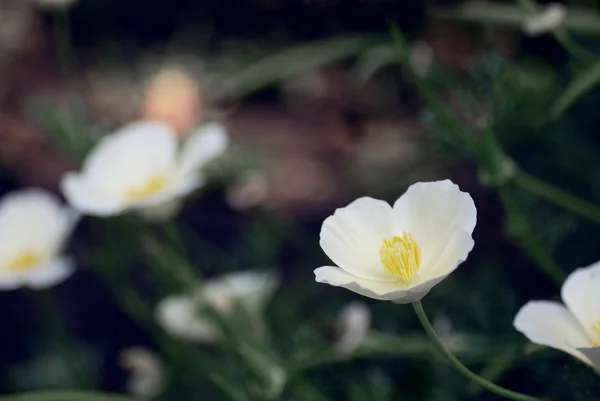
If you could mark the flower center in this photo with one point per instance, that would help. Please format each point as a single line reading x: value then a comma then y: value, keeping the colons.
x: 24, y: 261
x: 151, y: 187
x: 596, y: 331
x: 401, y: 256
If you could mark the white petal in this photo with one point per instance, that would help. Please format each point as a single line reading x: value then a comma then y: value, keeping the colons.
x: 51, y: 273
x: 253, y: 289
x: 87, y: 198
x: 178, y: 316
x: 449, y: 259
x: 551, y: 324
x: 581, y: 294
x: 33, y: 220
x: 593, y: 354
x: 43, y: 276
x: 130, y: 156
x: 204, y: 145
x: 354, y: 234
x: 381, y: 290
x: 434, y: 212
x: 546, y: 20
x: 353, y: 325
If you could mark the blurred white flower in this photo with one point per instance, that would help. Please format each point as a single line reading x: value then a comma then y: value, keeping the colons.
x: 182, y: 315
x: 573, y: 327
x: 141, y: 166
x: 147, y: 374
x: 354, y: 323
x: 547, y: 20
x: 34, y: 227
x: 398, y: 254
x: 53, y: 4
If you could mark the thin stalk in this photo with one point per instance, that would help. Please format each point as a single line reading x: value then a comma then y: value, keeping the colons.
x: 519, y: 230
x: 439, y: 108
x: 459, y: 367
x: 60, y: 334
x: 67, y: 395
x: 557, y: 196
x: 67, y: 60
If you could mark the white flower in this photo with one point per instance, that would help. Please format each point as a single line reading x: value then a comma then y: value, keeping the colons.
x: 573, y: 327
x: 140, y: 166
x: 354, y: 323
x: 34, y: 227
x: 547, y: 20
x: 147, y: 377
x: 182, y: 316
x: 398, y: 254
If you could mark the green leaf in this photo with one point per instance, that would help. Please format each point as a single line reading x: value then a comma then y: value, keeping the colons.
x: 374, y: 59
x: 292, y: 61
x: 581, y: 85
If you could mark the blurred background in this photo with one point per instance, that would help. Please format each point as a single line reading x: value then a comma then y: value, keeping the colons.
x: 320, y: 111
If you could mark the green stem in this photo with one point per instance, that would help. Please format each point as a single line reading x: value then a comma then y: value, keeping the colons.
x: 439, y: 108
x: 557, y: 196
x: 67, y: 395
x: 459, y: 367
x: 77, y: 143
x: 61, y: 335
x: 518, y: 228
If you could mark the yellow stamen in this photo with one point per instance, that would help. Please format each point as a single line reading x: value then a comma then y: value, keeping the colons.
x: 401, y: 256
x: 152, y: 186
x: 24, y: 261
x: 596, y: 331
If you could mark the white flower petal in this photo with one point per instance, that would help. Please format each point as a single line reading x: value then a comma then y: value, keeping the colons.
x: 434, y: 212
x: 593, y: 354
x: 353, y: 236
x: 546, y: 20
x: 381, y: 290
x: 456, y: 252
x: 39, y: 277
x: 51, y: 273
x: 130, y: 156
x: 581, y: 294
x: 551, y: 324
x: 353, y: 325
x: 253, y: 289
x: 209, y: 142
x: 34, y: 220
x: 86, y: 198
x: 178, y: 316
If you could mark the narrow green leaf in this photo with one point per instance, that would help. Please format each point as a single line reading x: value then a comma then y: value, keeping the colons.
x: 578, y: 87
x: 295, y: 60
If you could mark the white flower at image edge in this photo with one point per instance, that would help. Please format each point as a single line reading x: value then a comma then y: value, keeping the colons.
x: 573, y: 327
x: 182, y: 315
x: 34, y: 227
x: 399, y: 253
x: 142, y: 166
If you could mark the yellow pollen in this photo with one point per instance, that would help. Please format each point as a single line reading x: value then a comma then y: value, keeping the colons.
x: 596, y: 331
x: 24, y: 261
x: 154, y: 185
x: 401, y: 256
